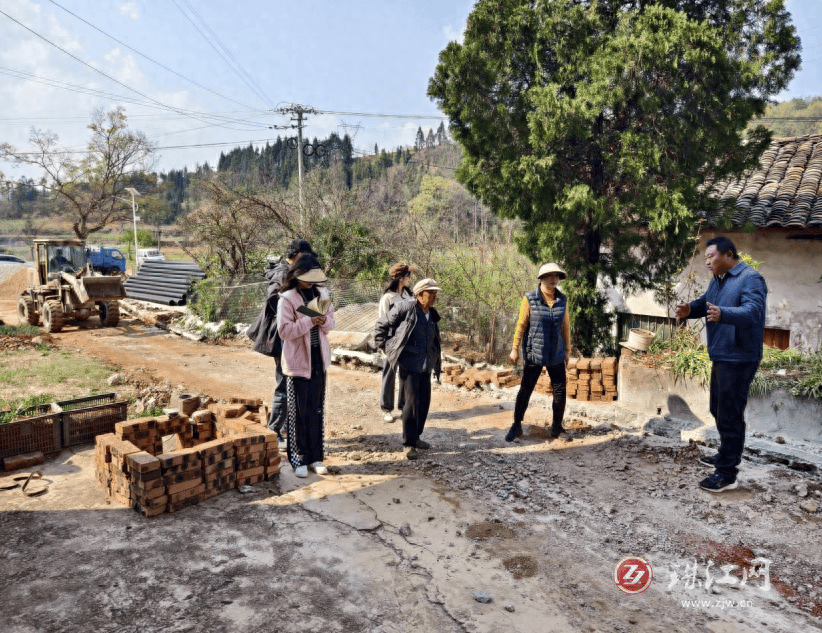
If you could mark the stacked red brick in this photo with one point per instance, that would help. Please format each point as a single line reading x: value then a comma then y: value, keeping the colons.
x: 198, y: 468
x: 148, y: 487
x: 471, y: 377
x: 245, y: 420
x: 110, y: 454
x: 592, y: 379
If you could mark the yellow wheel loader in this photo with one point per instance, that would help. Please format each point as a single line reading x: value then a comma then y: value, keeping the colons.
x: 63, y: 288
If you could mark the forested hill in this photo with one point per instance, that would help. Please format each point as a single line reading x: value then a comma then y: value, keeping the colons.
x: 796, y: 117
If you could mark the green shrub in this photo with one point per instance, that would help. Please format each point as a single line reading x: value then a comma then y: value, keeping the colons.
x: 11, y: 409
x: 144, y: 238
x: 206, y: 298
x: 684, y: 354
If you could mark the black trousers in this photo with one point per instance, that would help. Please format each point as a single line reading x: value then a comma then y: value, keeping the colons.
x: 387, y: 389
x: 306, y: 414
x: 530, y: 375
x: 415, y: 387
x: 729, y: 397
x: 279, y: 407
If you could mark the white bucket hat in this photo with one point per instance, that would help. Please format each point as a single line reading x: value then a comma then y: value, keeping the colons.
x: 314, y: 275
x: 425, y: 284
x: 551, y: 267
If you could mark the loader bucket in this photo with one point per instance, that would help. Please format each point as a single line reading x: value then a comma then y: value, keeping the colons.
x: 104, y: 288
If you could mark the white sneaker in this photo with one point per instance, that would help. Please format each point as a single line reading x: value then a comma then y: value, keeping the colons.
x: 388, y: 417
x: 301, y: 471
x: 319, y: 468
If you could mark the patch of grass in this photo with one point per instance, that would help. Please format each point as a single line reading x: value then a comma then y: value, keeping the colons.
x: 11, y: 409
x: 18, y: 330
x: 56, y: 368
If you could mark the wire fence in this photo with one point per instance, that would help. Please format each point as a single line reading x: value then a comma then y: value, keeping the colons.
x: 242, y: 302
x: 466, y: 325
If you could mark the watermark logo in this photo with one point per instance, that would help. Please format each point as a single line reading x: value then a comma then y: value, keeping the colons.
x: 633, y: 575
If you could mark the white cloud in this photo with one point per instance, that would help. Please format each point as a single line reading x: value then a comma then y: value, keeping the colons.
x: 130, y: 10
x: 452, y: 35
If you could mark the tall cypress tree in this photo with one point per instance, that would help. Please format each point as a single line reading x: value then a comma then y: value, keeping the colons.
x: 604, y: 125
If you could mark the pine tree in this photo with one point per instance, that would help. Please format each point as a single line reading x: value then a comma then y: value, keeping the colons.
x: 419, y: 142
x: 442, y: 136
x: 429, y: 140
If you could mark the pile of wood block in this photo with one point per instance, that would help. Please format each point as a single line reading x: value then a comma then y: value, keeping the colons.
x: 471, y: 377
x: 592, y: 379
x: 213, y: 451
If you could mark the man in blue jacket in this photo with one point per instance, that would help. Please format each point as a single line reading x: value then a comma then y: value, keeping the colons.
x: 734, y: 307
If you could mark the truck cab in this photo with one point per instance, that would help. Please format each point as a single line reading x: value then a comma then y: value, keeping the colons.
x: 149, y: 255
x: 106, y: 259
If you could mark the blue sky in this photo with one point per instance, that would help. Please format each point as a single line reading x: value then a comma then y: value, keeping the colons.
x: 347, y: 58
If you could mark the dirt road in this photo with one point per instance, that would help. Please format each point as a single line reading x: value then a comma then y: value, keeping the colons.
x: 383, y: 544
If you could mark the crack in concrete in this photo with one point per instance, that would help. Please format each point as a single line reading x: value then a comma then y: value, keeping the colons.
x: 374, y: 533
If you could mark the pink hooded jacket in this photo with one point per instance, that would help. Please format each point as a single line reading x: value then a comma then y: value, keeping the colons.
x: 295, y: 331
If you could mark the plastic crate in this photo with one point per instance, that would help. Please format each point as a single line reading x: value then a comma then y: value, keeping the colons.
x: 87, y: 401
x: 38, y: 431
x: 83, y: 419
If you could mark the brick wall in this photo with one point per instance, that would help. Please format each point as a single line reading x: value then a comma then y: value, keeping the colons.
x: 167, y: 463
x: 588, y: 379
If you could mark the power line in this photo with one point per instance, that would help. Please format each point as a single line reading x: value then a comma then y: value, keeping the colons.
x: 182, y: 112
x: 149, y: 58
x: 109, y: 77
x: 384, y: 115
x: 256, y: 91
x: 226, y: 49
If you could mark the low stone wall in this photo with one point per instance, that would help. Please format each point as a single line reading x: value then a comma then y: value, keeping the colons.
x: 656, y: 391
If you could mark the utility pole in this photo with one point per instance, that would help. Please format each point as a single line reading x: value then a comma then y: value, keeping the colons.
x: 298, y: 113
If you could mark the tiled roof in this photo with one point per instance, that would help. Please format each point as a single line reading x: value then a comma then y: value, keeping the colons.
x: 785, y: 191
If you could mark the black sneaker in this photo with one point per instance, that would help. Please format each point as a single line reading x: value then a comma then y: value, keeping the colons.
x: 412, y: 453
x: 708, y: 461
x: 718, y: 483
x: 422, y: 444
x: 559, y: 433
x: 514, y: 432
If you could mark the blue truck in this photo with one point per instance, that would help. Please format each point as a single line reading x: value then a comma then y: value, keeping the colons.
x: 105, y: 259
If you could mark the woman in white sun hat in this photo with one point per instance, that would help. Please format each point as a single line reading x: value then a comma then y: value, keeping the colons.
x: 543, y: 332
x: 305, y: 359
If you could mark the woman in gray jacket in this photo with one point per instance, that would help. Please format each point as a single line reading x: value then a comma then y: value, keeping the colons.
x: 396, y: 290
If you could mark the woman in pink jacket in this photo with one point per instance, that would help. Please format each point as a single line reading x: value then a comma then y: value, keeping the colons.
x: 305, y: 358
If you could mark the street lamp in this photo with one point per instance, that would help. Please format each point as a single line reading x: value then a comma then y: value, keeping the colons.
x: 133, y: 193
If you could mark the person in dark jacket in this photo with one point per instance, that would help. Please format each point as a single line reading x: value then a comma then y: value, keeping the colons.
x: 544, y: 332
x: 734, y: 308
x: 264, y: 330
x: 397, y: 290
x: 415, y: 349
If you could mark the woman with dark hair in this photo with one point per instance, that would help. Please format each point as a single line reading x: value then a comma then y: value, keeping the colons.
x: 397, y: 290
x: 305, y: 359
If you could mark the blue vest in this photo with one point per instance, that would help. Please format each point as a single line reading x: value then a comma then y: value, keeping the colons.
x: 544, y: 344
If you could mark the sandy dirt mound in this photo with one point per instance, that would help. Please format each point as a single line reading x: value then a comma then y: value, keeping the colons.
x: 13, y: 284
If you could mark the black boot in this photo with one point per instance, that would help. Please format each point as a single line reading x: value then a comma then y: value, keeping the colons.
x: 514, y: 432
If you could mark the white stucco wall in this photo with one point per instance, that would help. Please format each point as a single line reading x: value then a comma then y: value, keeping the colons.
x: 791, y: 268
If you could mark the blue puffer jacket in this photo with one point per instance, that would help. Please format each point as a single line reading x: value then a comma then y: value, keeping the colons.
x: 738, y: 336
x: 543, y: 344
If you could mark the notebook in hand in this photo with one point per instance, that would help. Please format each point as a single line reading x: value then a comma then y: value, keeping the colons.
x: 316, y: 307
